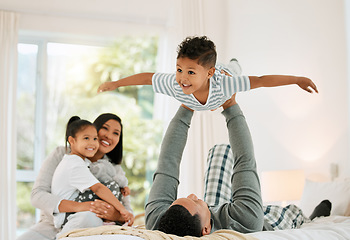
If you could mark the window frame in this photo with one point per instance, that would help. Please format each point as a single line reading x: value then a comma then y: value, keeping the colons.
x: 42, y: 40
x: 39, y: 113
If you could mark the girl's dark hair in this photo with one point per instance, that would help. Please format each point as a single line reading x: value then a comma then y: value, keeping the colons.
x: 200, y: 48
x: 75, y: 125
x: 116, y: 155
x: 178, y: 220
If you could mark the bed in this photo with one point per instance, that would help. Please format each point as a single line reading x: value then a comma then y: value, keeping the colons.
x: 333, y: 227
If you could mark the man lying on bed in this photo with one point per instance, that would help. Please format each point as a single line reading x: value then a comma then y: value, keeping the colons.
x: 192, y: 216
x: 236, y: 206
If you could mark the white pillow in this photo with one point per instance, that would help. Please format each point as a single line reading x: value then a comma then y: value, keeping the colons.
x: 337, y: 192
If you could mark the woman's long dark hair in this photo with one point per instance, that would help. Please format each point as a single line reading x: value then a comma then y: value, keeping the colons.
x: 116, y: 155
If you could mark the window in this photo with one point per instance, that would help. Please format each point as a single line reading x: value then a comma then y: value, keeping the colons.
x: 58, y: 80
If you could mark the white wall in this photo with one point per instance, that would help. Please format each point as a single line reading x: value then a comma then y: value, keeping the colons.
x: 291, y: 129
x: 97, y: 20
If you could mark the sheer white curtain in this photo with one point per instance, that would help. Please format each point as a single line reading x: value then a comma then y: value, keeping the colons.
x: 8, y: 73
x: 194, y: 162
x: 188, y: 21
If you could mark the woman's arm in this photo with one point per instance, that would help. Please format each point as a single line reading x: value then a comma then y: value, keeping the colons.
x: 41, y: 196
x: 102, y: 209
x: 106, y: 211
x: 281, y: 80
x: 104, y: 193
x: 120, y: 176
x: 137, y: 79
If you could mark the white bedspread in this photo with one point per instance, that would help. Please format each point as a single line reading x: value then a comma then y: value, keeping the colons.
x: 326, y: 228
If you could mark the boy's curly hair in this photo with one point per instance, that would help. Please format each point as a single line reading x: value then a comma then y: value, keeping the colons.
x: 178, y: 220
x: 200, y: 48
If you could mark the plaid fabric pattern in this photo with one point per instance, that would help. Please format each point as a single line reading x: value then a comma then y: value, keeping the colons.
x: 218, y: 175
x: 218, y: 190
x: 288, y: 217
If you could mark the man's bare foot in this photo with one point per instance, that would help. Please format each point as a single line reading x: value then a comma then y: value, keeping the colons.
x: 230, y: 102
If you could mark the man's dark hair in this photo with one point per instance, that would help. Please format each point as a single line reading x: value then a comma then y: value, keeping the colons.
x: 178, y: 220
x: 200, y: 48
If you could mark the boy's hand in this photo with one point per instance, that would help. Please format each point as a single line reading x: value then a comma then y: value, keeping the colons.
x: 125, y: 191
x: 306, y: 84
x: 107, y: 86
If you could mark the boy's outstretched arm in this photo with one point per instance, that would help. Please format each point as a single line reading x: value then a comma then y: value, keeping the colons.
x: 137, y: 79
x: 281, y: 80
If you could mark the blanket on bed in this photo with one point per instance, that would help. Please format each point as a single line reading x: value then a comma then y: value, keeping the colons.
x: 155, y: 235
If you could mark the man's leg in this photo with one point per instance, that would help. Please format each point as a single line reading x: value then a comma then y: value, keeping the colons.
x: 280, y: 218
x: 246, y: 203
x: 322, y: 210
x: 217, y: 189
x: 291, y: 216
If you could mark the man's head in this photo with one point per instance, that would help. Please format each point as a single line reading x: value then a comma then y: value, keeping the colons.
x: 195, y: 64
x: 186, y: 216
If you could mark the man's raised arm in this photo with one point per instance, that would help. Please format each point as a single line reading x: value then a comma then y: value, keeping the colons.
x: 166, y: 178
